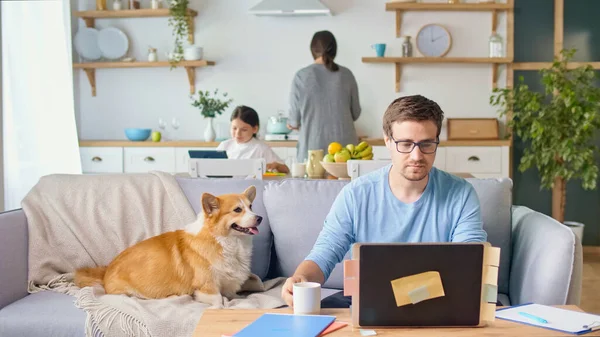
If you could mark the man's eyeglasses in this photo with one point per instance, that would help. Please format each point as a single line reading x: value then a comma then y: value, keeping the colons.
x: 426, y: 147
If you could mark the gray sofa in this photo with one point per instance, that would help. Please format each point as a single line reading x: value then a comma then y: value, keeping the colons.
x: 541, y: 259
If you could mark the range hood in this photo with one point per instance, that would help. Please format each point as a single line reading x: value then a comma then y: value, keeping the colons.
x: 290, y: 8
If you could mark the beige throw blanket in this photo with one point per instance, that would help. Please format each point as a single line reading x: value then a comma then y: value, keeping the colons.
x: 83, y: 220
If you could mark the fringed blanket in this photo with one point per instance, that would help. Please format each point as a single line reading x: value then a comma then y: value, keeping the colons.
x: 86, y: 220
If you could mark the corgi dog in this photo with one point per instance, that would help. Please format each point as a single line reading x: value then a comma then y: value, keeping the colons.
x: 208, y: 259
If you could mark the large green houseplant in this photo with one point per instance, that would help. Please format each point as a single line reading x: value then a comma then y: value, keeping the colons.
x: 557, y: 126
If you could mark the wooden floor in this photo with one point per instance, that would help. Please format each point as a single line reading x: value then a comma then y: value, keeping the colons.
x: 590, y: 293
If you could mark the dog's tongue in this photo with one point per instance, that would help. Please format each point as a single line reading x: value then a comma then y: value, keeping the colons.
x: 253, y: 230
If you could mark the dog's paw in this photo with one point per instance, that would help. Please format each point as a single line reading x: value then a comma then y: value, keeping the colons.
x: 214, y: 300
x: 252, y: 284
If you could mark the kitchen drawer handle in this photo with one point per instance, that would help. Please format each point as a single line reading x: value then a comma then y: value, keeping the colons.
x: 473, y: 158
x: 97, y: 159
x: 149, y: 159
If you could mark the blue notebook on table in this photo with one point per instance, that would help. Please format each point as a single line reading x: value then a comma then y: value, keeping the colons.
x: 280, y: 325
x: 553, y: 318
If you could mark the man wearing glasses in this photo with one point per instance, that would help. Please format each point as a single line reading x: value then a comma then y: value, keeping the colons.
x: 406, y: 201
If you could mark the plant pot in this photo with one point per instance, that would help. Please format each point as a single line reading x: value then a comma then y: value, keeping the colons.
x: 576, y: 227
x: 209, y: 131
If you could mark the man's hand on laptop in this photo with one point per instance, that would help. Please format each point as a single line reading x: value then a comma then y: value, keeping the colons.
x: 288, y: 288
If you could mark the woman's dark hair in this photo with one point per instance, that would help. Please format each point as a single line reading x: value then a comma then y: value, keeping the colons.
x: 323, y: 44
x: 247, y: 115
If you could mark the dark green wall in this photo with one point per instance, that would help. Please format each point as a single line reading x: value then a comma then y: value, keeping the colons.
x: 534, y: 42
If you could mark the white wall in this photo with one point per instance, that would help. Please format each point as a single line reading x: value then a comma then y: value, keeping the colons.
x: 256, y: 58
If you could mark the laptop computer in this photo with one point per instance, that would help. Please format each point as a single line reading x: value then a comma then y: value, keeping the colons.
x: 422, y: 284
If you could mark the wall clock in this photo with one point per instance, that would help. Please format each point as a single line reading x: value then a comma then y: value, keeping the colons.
x: 434, y: 40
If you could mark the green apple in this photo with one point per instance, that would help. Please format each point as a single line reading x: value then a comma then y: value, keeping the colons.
x: 155, y: 136
x: 342, y: 156
x: 329, y: 158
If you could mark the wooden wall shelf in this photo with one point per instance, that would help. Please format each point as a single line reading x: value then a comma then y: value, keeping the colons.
x: 190, y: 67
x: 129, y: 13
x: 398, y: 61
x: 474, y: 7
x: 90, y: 16
x: 494, y: 8
x: 485, y: 60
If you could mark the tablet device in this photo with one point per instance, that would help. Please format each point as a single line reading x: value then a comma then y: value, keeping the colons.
x: 422, y: 284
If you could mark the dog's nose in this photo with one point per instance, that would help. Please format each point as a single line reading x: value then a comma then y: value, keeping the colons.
x: 258, y: 219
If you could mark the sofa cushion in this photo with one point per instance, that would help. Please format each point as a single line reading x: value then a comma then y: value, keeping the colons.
x: 44, y: 313
x: 495, y: 197
x: 297, y: 209
x: 261, y: 250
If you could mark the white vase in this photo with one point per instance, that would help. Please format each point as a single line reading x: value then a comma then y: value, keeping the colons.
x: 576, y: 227
x: 209, y: 131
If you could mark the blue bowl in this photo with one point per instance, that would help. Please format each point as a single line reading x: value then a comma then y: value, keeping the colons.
x: 137, y: 135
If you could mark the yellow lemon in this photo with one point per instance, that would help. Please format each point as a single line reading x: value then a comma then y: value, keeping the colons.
x: 334, y: 148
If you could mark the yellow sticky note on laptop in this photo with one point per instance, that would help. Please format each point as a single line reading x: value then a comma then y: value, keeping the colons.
x: 417, y: 288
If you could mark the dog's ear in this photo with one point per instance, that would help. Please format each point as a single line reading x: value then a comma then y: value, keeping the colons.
x: 250, y: 192
x: 210, y: 203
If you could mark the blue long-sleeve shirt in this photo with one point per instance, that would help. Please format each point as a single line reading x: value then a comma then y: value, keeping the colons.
x: 367, y: 211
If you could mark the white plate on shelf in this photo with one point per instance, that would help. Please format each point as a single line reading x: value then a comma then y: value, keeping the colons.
x: 86, y: 44
x: 113, y: 43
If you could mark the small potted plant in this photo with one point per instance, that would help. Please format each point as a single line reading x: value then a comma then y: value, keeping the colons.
x: 558, y: 127
x: 209, y: 108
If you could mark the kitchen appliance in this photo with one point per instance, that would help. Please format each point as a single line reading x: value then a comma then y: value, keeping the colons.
x: 277, y: 128
x: 290, y: 8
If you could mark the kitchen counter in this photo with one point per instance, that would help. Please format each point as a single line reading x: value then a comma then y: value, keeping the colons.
x: 169, y: 143
x: 199, y: 143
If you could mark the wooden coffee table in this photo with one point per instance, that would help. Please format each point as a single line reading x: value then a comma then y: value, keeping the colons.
x: 214, y: 323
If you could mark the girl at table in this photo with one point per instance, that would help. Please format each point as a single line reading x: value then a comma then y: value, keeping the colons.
x: 245, y: 145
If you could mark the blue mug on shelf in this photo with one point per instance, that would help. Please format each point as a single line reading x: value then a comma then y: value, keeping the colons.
x: 379, y: 49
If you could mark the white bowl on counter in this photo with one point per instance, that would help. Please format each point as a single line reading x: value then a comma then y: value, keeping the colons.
x: 193, y: 53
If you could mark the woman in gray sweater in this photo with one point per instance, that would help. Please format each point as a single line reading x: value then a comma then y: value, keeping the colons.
x: 323, y: 100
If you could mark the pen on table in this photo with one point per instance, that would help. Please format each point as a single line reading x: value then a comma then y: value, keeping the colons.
x: 535, y: 318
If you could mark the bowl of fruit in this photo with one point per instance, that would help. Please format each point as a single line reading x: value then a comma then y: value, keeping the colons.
x: 335, y: 162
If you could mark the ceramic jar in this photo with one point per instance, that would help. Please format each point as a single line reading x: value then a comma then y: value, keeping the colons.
x: 314, y: 169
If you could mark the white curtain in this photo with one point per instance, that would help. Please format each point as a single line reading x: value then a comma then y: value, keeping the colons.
x: 38, y: 119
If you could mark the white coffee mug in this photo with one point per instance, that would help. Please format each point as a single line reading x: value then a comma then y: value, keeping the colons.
x: 307, y: 298
x: 298, y: 170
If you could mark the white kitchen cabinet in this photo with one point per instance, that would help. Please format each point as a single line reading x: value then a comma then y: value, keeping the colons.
x: 145, y: 159
x: 285, y: 153
x: 282, y: 152
x: 440, y: 158
x: 480, y: 161
x: 182, y: 157
x: 101, y: 159
x: 381, y: 152
x: 474, y: 159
